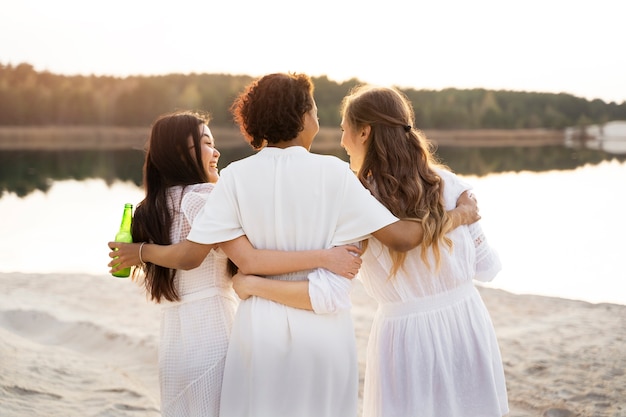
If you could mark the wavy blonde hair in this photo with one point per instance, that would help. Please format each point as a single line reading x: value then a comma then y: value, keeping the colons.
x: 399, y: 164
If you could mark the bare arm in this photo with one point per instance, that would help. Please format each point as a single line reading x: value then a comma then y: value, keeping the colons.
x: 401, y: 236
x: 183, y: 255
x: 290, y: 293
x: 343, y: 260
x: 404, y: 235
x: 340, y: 260
x: 187, y: 255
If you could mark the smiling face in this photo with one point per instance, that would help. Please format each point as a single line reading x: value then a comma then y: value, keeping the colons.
x: 354, y: 141
x: 210, y: 154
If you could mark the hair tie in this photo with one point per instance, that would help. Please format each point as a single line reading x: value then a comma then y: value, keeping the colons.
x: 407, y: 128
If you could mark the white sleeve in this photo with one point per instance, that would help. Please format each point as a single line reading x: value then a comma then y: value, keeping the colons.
x: 329, y: 293
x: 194, y: 201
x: 360, y: 213
x: 487, y: 259
x: 218, y: 220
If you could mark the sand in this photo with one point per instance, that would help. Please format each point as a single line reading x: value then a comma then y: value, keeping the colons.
x: 84, y: 345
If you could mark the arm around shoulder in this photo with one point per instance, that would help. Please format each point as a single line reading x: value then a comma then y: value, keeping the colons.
x: 406, y: 234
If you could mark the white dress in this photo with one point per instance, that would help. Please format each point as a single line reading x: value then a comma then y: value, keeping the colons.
x: 432, y: 349
x: 284, y: 361
x: 195, y: 330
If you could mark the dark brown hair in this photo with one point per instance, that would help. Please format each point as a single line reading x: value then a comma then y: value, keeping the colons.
x: 272, y: 108
x: 398, y: 167
x: 168, y: 162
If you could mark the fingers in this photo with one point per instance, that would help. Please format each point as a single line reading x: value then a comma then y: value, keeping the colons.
x: 469, y: 199
x: 116, y: 263
x: 114, y: 246
x: 113, y: 267
x: 351, y: 275
x: 354, y: 269
x: 467, y: 195
x: 353, y: 249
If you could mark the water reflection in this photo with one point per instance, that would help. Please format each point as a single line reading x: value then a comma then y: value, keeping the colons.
x: 559, y: 233
x: 22, y: 172
x: 484, y: 161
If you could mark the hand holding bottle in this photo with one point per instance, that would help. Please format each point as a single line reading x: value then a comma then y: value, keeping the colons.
x: 123, y: 235
x: 124, y: 255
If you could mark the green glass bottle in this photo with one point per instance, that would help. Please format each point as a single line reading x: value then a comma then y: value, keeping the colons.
x: 124, y: 235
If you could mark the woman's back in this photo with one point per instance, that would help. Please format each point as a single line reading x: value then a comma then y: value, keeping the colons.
x: 416, y: 279
x: 184, y: 204
x: 453, y: 367
x: 290, y: 199
x: 194, y: 330
x: 284, y: 360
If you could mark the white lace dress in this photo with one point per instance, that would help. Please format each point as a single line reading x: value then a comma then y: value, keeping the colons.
x: 432, y: 349
x: 195, y: 331
x: 282, y: 361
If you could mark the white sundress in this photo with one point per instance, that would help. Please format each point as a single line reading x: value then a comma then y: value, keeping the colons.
x: 432, y: 349
x: 195, y: 330
x: 283, y: 361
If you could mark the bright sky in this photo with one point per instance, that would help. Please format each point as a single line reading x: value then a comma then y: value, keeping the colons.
x: 570, y: 46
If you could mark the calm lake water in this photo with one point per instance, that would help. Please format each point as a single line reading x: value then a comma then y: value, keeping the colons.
x: 560, y: 232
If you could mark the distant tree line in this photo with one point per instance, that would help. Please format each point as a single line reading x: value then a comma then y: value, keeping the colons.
x: 32, y: 98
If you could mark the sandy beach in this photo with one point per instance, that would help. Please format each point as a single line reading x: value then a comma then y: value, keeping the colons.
x: 86, y: 345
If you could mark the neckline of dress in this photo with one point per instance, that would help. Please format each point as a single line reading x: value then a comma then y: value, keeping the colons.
x: 274, y: 149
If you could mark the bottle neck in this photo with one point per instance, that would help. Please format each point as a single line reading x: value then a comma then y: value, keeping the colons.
x: 127, y: 218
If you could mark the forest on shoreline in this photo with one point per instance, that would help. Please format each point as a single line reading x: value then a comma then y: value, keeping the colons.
x: 29, y: 98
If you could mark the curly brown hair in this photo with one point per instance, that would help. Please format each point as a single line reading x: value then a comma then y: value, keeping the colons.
x: 399, y: 163
x: 272, y: 108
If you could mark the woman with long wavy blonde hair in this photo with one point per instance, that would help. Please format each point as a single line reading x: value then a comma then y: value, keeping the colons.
x: 432, y: 349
